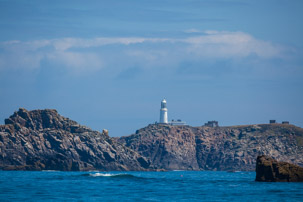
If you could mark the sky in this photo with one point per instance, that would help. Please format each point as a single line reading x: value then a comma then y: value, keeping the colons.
x: 108, y: 64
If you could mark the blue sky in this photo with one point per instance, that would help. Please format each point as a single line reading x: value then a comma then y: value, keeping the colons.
x: 108, y: 64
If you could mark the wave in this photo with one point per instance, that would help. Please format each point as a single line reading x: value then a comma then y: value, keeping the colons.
x: 111, y: 175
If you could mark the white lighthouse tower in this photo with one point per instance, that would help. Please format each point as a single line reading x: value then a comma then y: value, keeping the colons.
x: 163, y: 112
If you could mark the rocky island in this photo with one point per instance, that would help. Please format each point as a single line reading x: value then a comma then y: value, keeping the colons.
x: 45, y: 140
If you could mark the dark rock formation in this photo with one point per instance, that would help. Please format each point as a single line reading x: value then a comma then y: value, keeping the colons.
x: 270, y: 170
x: 44, y: 140
x: 221, y: 148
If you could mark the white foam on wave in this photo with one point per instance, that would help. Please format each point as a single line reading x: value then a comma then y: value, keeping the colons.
x: 105, y: 174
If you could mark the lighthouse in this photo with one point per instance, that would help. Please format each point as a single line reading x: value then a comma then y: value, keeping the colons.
x: 163, y: 112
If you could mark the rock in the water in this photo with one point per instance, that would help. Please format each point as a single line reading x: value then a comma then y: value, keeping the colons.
x: 270, y: 170
x: 44, y: 140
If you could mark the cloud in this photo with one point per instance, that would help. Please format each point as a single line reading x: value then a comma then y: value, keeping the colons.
x: 75, y: 61
x: 89, y: 55
x: 231, y: 45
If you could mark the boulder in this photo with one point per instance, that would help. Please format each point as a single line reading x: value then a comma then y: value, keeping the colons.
x: 270, y: 170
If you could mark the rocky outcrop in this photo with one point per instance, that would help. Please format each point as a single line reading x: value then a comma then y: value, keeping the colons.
x: 44, y: 140
x: 270, y: 170
x: 219, y: 148
x: 170, y: 148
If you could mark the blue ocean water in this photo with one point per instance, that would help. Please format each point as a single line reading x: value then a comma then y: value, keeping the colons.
x: 143, y: 186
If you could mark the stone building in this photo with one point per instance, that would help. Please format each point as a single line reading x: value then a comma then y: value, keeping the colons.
x: 272, y: 121
x: 212, y: 124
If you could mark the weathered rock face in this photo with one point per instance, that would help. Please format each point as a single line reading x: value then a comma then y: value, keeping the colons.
x: 220, y: 148
x: 270, y: 170
x: 170, y: 148
x: 44, y: 140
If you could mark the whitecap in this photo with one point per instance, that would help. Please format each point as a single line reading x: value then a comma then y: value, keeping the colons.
x: 106, y: 174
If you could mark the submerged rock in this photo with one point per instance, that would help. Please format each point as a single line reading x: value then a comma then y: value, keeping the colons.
x: 270, y: 170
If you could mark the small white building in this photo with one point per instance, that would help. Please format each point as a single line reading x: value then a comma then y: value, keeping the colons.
x: 178, y: 122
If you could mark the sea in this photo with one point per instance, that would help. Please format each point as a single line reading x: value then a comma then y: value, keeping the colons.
x: 143, y: 186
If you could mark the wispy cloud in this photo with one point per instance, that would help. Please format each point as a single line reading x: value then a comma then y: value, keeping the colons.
x: 80, y: 55
x: 232, y: 45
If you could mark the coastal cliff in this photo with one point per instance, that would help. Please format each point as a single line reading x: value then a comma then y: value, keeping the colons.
x: 44, y: 140
x: 219, y: 148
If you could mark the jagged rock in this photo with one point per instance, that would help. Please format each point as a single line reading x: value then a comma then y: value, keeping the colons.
x: 270, y: 170
x: 44, y: 140
x: 220, y: 148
